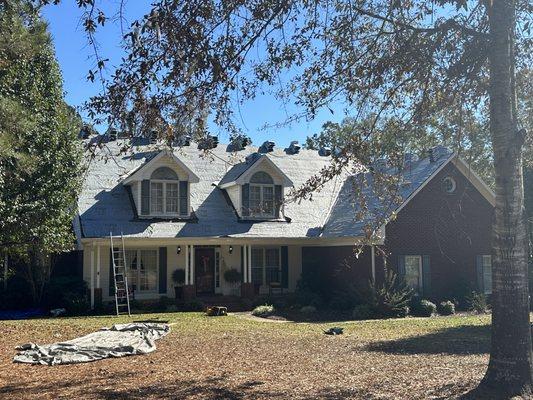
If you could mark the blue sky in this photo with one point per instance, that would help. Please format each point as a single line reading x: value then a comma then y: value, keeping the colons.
x: 74, y: 56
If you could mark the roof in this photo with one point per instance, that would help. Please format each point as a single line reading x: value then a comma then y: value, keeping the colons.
x: 245, y: 168
x: 105, y: 206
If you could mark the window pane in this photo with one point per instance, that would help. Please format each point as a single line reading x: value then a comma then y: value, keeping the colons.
x: 268, y: 200
x: 487, y: 274
x: 156, y: 197
x: 272, y: 257
x: 257, y: 266
x: 255, y: 199
x: 172, y: 197
x: 131, y: 263
x: 412, y: 271
x: 148, y: 270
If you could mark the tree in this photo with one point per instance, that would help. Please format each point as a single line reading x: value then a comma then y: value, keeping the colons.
x: 40, y: 156
x: 404, y: 60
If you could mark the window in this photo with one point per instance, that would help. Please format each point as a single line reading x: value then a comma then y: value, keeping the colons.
x: 142, y: 270
x: 487, y: 274
x: 164, y: 192
x: 266, y: 266
x: 217, y: 267
x: 262, y: 195
x: 413, y: 272
x: 449, y: 185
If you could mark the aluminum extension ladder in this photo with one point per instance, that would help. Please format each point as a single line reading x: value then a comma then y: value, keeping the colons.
x: 122, y: 294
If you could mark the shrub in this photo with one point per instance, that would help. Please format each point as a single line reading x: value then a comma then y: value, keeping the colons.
x: 423, y: 308
x: 308, y: 310
x: 446, y: 308
x: 193, y: 305
x: 76, y: 304
x: 477, y: 302
x: 391, y: 299
x: 59, y: 288
x: 232, y: 276
x: 303, y: 297
x: 346, y: 299
x: 178, y: 276
x: 263, y: 311
x: 163, y: 303
x: 363, y: 311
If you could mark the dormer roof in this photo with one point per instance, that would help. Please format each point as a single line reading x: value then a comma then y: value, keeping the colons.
x: 241, y: 172
x: 146, y: 169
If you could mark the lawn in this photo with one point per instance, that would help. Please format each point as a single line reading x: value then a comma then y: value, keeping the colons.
x: 235, y: 357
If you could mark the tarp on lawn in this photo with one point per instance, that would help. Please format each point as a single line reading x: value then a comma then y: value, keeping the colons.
x: 118, y: 341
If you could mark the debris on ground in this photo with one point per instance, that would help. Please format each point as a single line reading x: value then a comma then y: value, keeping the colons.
x: 216, y: 311
x: 118, y: 341
x: 56, y: 312
x: 334, y: 331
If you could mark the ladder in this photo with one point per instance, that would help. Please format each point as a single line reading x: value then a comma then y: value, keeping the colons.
x: 122, y: 294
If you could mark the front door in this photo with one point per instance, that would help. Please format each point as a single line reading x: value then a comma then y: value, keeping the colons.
x: 204, y: 270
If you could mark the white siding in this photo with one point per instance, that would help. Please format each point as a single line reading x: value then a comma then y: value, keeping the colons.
x: 234, y: 193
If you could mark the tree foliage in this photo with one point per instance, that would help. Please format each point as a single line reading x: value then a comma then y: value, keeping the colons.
x: 40, y: 157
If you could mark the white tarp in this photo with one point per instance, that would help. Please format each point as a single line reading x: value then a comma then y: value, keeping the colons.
x: 118, y: 341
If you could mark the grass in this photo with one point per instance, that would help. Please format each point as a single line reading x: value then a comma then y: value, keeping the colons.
x: 235, y: 357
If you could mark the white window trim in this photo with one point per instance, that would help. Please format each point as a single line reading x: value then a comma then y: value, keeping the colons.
x: 420, y: 270
x: 261, y: 201
x: 138, y: 255
x: 265, y: 266
x: 165, y: 213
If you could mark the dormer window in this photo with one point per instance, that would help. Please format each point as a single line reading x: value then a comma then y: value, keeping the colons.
x: 262, y: 195
x: 164, y: 199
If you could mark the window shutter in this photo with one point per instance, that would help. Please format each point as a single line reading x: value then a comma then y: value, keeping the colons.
x: 277, y: 199
x: 145, y: 197
x: 111, y: 275
x: 426, y: 275
x: 479, y: 273
x: 184, y: 198
x: 242, y: 262
x: 162, y: 270
x: 284, y: 266
x: 245, y: 200
x: 401, y: 267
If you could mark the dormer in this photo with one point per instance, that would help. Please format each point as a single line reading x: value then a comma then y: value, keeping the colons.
x: 161, y: 187
x: 256, y: 187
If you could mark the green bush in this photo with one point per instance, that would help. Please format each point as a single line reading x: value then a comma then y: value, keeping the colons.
x: 193, y: 305
x: 345, y: 299
x: 477, y: 302
x: 446, y: 308
x: 308, y: 310
x: 363, y: 311
x: 263, y: 311
x: 390, y: 299
x: 423, y: 308
x: 76, y: 304
x: 59, y: 288
x: 163, y: 303
x: 304, y: 297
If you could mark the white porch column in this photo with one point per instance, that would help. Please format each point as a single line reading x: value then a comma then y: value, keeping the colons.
x: 373, y: 250
x: 245, y: 265
x: 249, y: 263
x: 192, y: 264
x: 187, y: 264
x: 91, y: 283
x: 98, y: 266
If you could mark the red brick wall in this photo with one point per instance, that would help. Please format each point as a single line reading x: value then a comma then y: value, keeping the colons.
x: 451, y: 228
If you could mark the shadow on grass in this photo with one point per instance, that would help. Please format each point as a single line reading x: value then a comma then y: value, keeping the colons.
x: 461, y: 340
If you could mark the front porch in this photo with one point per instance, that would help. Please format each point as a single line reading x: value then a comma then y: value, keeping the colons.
x: 262, y: 268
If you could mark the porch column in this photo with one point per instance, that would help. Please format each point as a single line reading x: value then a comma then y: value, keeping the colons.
x: 249, y: 264
x: 91, y: 282
x: 373, y: 251
x: 186, y: 264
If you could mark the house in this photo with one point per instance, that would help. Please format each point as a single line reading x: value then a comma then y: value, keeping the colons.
x: 208, y: 213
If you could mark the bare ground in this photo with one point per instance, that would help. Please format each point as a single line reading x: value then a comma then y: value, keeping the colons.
x: 240, y: 358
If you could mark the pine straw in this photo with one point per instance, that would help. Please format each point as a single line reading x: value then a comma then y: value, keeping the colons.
x: 238, y: 358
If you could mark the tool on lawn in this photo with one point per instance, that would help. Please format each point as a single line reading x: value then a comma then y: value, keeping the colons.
x: 122, y: 293
x: 334, y: 331
x: 216, y: 311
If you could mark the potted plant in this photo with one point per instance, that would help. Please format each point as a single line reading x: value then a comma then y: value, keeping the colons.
x: 233, y: 277
x: 178, y: 276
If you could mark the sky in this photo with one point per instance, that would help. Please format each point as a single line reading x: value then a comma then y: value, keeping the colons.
x: 74, y: 56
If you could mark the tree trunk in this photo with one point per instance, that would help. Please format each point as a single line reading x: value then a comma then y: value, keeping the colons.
x: 510, y: 366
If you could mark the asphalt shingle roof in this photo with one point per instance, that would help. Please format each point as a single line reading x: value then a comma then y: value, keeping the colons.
x: 104, y: 205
